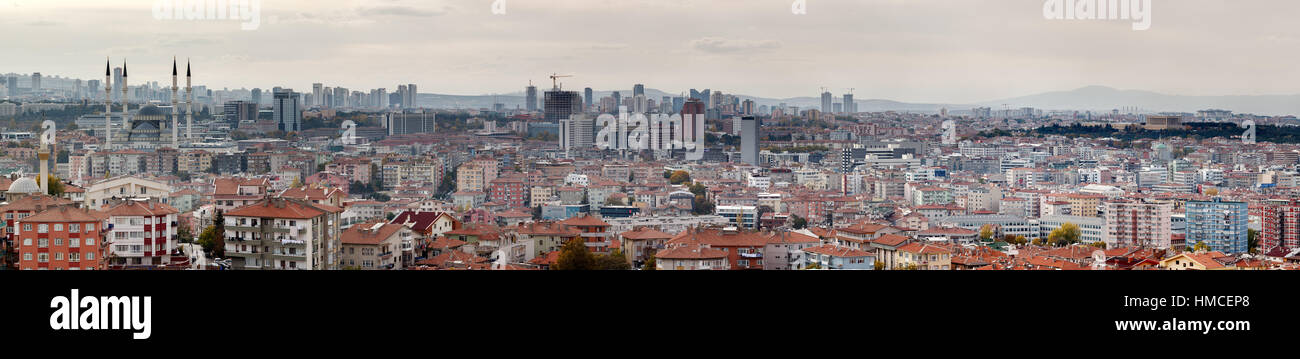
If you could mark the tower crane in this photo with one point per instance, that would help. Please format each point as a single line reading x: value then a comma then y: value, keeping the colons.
x: 554, y: 82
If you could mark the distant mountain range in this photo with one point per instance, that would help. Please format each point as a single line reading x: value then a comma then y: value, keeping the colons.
x: 1091, y: 98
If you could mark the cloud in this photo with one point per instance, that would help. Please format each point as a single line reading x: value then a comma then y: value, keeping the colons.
x: 608, y: 46
x: 725, y: 46
x: 42, y: 23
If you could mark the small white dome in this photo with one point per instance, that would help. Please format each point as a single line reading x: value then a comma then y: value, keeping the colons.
x: 25, y: 185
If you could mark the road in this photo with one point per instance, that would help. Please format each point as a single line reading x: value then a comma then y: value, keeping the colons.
x: 195, y: 251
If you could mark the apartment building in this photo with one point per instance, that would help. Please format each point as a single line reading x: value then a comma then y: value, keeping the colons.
x: 1138, y: 223
x: 282, y: 233
x: 375, y: 246
x: 143, y: 233
x: 61, y: 238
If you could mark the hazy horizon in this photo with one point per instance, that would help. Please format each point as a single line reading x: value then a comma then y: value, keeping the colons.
x: 919, y: 51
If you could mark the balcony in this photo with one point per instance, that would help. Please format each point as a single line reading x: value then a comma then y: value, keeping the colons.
x: 751, y: 255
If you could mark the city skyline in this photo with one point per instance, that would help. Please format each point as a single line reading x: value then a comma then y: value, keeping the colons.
x: 885, y: 49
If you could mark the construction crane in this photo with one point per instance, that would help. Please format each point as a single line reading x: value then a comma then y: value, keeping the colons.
x: 555, y: 84
x: 851, y: 90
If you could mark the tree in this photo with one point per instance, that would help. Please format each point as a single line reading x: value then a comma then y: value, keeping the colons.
x: 986, y: 233
x: 575, y: 256
x: 702, y: 206
x: 1212, y: 192
x: 537, y: 213
x: 1099, y: 244
x: 698, y: 189
x: 56, y: 185
x: 650, y: 263
x: 812, y: 266
x: 585, y: 199
x: 611, y: 201
x: 760, y: 211
x: 879, y: 265
x: 1066, y: 235
x: 679, y: 177
x: 798, y: 222
x: 297, y: 182
x: 209, y: 239
x: 183, y: 233
x: 1252, y: 241
x: 613, y: 261
x: 1200, y: 247
x: 1037, y: 241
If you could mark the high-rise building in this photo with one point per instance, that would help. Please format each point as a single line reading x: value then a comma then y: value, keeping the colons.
x: 402, y: 123
x: 287, y: 111
x: 1220, y: 225
x: 240, y: 112
x: 638, y: 90
x: 586, y: 96
x: 1138, y: 223
x: 340, y: 97
x: 36, y: 82
x: 317, y: 90
x: 12, y: 85
x: 255, y: 97
x: 749, y: 140
x: 530, y: 97
x: 1280, y: 226
x: 559, y: 105
x: 827, y: 100
x: 414, y: 94
x: 849, y: 105
x: 577, y: 132
x: 618, y: 101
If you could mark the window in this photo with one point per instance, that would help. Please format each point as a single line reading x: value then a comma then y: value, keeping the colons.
x: 75, y: 227
x: 58, y: 256
x: 27, y: 227
x: 43, y: 257
x: 90, y: 227
x: 90, y: 256
x: 42, y: 228
x: 43, y: 243
x: 90, y: 241
x: 27, y: 241
x: 27, y: 256
x: 58, y: 227
x: 58, y: 242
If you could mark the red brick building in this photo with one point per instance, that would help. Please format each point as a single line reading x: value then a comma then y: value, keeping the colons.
x: 61, y: 238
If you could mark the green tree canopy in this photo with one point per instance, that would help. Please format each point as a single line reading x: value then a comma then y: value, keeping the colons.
x: 575, y: 256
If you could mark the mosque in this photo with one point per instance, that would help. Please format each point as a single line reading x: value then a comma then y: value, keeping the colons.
x: 148, y: 127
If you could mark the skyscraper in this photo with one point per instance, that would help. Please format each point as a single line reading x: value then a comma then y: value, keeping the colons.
x: 749, y: 140
x: 561, y: 104
x: 849, y: 105
x: 530, y: 97
x: 414, y: 100
x: 618, y: 100
x: 586, y: 96
x: 577, y: 132
x: 317, y: 90
x: 826, y: 102
x: 1281, y: 225
x: 637, y: 90
x: 36, y: 82
x: 240, y: 111
x: 256, y: 97
x: 12, y: 85
x: 287, y: 111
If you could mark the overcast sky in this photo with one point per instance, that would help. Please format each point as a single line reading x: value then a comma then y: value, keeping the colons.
x: 953, y: 51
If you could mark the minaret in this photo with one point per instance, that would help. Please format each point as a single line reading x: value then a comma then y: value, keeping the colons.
x: 108, y: 105
x: 126, y: 105
x: 176, y: 112
x: 189, y: 105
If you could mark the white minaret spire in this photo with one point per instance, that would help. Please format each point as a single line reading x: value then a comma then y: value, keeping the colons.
x: 108, y: 104
x: 126, y: 104
x: 189, y: 105
x: 176, y: 112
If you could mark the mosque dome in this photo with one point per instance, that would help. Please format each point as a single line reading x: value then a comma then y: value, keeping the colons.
x: 150, y: 110
x: 25, y: 185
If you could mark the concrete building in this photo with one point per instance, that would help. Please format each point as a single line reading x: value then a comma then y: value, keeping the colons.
x: 1219, y: 224
x: 279, y: 233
